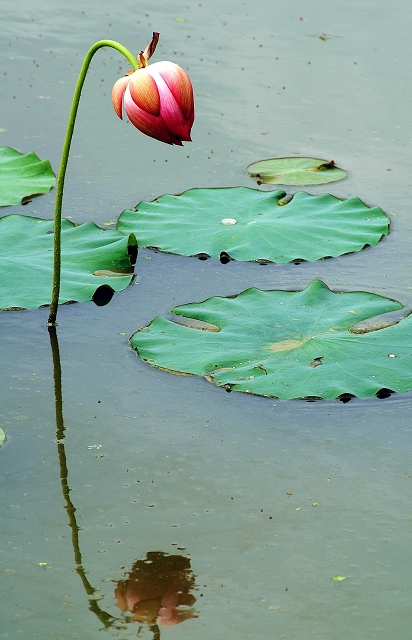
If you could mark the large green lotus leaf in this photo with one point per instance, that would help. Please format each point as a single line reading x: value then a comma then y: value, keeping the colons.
x: 295, y: 171
x: 285, y: 344
x: 22, y: 176
x: 91, y: 258
x: 248, y: 224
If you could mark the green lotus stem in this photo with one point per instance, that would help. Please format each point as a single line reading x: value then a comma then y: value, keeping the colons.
x: 63, y: 166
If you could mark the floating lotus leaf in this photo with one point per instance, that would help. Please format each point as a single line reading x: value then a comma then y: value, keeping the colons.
x: 295, y: 171
x: 22, y: 176
x: 91, y: 258
x: 285, y: 344
x: 248, y: 224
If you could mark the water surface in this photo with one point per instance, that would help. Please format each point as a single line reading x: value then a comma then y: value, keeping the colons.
x: 269, y: 500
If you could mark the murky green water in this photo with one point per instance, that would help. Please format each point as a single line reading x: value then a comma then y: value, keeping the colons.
x: 269, y: 500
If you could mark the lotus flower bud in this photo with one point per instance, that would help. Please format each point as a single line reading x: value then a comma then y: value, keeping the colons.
x: 158, y: 99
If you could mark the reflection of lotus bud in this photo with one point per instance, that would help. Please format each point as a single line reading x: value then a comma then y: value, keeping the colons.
x: 157, y: 590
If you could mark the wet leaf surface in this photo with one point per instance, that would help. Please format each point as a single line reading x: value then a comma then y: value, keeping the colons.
x: 295, y: 171
x: 285, y: 344
x: 22, y: 176
x: 26, y: 261
x: 247, y: 224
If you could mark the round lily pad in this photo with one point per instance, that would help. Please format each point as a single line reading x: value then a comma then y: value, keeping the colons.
x: 91, y: 258
x: 285, y: 344
x: 248, y: 224
x: 295, y: 171
x: 22, y: 176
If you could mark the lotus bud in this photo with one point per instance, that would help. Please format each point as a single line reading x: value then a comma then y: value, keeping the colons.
x: 158, y: 99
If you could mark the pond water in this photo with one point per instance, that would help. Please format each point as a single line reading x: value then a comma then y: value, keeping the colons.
x: 252, y: 504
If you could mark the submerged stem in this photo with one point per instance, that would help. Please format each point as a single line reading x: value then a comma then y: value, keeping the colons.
x: 63, y: 166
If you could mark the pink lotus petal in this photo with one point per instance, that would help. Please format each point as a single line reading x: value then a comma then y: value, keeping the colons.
x: 118, y: 93
x: 153, y: 126
x: 144, y: 91
x: 170, y: 110
x: 179, y: 84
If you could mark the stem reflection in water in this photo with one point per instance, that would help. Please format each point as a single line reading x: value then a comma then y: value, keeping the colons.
x: 157, y: 590
x: 103, y: 616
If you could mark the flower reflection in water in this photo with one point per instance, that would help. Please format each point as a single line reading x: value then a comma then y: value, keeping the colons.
x: 157, y: 591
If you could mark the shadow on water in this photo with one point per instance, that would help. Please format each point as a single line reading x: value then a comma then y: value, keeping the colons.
x: 158, y: 588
